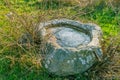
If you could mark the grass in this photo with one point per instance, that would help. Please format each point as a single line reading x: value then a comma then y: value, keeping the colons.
x: 18, y: 17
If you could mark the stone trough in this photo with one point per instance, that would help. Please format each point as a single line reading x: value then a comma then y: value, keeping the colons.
x: 72, y: 47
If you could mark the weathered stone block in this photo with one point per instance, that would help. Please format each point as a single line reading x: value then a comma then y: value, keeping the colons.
x: 72, y: 48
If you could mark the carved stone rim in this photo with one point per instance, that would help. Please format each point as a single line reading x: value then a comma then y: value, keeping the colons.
x: 94, y: 30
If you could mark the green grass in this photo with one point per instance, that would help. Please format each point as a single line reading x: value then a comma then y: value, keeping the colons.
x: 17, y: 63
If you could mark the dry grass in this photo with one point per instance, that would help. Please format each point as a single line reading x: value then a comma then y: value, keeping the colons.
x: 108, y: 68
x: 27, y: 55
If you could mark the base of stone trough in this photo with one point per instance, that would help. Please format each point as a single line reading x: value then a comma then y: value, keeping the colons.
x: 72, y: 48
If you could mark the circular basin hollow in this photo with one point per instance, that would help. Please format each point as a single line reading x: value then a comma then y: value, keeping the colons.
x: 68, y: 37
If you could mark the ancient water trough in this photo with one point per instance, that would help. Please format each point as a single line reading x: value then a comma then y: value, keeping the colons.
x: 72, y: 47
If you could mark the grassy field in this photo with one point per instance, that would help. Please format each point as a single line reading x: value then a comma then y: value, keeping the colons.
x: 20, y: 16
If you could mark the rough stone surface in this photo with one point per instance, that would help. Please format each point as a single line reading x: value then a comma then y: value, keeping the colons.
x: 72, y: 48
x: 68, y: 37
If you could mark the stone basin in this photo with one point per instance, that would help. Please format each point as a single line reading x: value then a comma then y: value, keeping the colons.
x: 72, y: 47
x: 68, y: 37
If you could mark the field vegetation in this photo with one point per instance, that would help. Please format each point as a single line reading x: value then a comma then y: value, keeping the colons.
x: 23, y: 62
